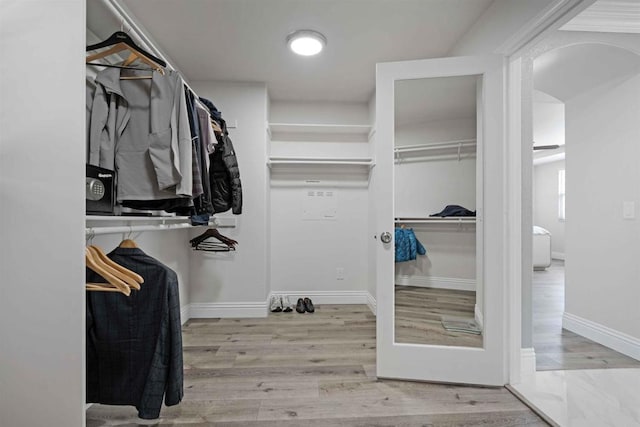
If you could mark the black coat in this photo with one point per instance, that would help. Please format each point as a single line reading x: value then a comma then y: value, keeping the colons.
x: 224, y: 176
x: 134, y: 343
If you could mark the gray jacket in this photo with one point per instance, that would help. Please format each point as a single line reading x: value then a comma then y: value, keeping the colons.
x: 140, y: 128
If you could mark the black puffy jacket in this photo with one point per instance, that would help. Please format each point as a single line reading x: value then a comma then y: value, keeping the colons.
x: 224, y: 174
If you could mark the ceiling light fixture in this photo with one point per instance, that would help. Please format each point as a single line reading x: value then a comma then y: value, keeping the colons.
x: 306, y: 42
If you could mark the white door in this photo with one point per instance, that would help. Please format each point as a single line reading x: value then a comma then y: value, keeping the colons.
x: 456, y: 84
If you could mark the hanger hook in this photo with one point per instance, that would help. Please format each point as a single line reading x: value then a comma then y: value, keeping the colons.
x: 90, y: 236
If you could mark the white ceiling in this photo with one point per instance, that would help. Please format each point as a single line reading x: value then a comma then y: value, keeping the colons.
x: 441, y: 98
x: 567, y: 72
x: 244, y: 40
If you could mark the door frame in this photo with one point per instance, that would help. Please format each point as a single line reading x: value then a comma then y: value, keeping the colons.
x: 519, y: 217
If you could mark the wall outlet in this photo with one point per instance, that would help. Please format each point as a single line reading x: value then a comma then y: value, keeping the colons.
x: 340, y: 273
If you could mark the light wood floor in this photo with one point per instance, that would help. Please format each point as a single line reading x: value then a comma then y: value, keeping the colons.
x: 418, y: 314
x: 313, y: 370
x: 557, y: 348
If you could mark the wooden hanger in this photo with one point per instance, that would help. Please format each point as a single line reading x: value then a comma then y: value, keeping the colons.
x: 225, y: 243
x: 128, y: 243
x: 121, y: 41
x: 112, y: 281
x: 129, y: 277
x: 216, y: 127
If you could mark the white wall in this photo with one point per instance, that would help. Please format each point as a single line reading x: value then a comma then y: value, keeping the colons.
x: 306, y: 252
x: 42, y: 139
x: 548, y: 119
x: 169, y: 247
x: 602, y: 248
x: 240, y: 276
x: 424, y: 186
x: 545, y: 204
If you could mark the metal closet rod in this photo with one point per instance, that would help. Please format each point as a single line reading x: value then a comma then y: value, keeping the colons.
x: 96, y: 231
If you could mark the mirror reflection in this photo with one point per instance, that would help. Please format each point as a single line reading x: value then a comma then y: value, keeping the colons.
x: 438, y: 293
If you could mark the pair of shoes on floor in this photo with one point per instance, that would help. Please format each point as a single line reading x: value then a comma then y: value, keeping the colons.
x: 305, y: 305
x: 280, y: 303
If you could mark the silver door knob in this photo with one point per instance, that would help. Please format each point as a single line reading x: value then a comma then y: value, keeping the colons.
x: 385, y: 237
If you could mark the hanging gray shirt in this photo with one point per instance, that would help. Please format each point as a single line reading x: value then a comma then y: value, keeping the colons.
x: 140, y: 129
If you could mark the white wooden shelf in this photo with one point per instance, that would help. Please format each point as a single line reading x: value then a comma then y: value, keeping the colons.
x: 134, y: 224
x: 436, y: 220
x: 305, y: 128
x: 126, y: 218
x: 366, y: 162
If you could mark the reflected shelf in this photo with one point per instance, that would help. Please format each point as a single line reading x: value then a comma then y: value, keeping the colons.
x: 436, y: 220
x: 445, y: 148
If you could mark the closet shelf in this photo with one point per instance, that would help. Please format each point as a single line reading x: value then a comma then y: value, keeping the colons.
x: 321, y: 161
x: 96, y: 231
x: 437, y: 220
x: 114, y: 224
x: 318, y: 128
x: 118, y: 218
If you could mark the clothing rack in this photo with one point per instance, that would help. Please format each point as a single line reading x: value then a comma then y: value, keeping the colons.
x: 145, y: 42
x: 436, y: 220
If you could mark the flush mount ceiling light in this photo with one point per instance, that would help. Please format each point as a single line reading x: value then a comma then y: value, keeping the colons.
x: 306, y: 42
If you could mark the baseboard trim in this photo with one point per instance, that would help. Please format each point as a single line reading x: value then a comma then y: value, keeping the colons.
x: 527, y: 362
x: 477, y: 314
x: 185, y: 313
x: 557, y: 255
x: 437, y: 282
x: 227, y: 309
x: 327, y: 297
x: 261, y: 309
x: 618, y: 341
x: 372, y: 303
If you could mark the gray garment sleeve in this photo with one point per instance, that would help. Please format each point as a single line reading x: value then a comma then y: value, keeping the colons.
x: 101, y: 139
x: 181, y: 142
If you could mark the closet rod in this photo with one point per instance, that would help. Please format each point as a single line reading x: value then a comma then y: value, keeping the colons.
x: 435, y: 146
x: 95, y: 231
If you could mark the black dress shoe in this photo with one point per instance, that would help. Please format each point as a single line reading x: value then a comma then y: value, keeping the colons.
x: 308, y: 305
x: 300, y: 307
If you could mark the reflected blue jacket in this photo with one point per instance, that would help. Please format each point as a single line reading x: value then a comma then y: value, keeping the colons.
x: 407, y: 245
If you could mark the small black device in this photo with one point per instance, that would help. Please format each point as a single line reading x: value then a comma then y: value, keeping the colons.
x: 100, y: 189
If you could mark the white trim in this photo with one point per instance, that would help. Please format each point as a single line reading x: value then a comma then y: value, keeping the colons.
x: 608, y: 17
x: 618, y: 341
x: 185, y: 312
x: 551, y: 18
x: 327, y: 297
x: 557, y: 255
x: 371, y: 302
x: 479, y: 318
x: 228, y: 309
x: 514, y: 217
x: 527, y: 363
x: 436, y: 282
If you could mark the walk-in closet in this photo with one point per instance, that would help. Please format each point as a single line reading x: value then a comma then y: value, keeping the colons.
x: 294, y: 212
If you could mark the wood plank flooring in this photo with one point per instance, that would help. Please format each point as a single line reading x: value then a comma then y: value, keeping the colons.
x: 419, y: 311
x: 318, y: 369
x: 555, y: 347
